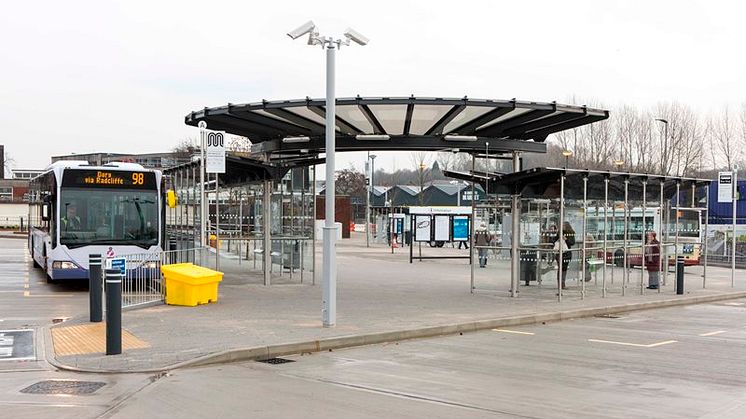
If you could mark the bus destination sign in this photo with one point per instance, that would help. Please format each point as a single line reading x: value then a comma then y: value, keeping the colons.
x: 108, y: 179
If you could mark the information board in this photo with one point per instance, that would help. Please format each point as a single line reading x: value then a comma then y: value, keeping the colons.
x: 725, y: 187
x: 215, y: 151
x: 460, y: 228
x: 117, y: 263
x: 422, y: 227
x: 442, y: 228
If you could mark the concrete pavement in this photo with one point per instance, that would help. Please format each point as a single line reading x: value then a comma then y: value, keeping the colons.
x: 381, y: 298
x: 682, y: 362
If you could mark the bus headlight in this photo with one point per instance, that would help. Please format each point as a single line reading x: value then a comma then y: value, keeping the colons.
x: 63, y: 264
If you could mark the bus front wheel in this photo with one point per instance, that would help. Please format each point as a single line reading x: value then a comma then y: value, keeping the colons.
x: 619, y: 258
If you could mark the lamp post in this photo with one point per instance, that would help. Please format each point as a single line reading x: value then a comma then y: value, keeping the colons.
x: 665, y: 133
x: 422, y: 180
x: 618, y: 163
x: 329, y: 274
x: 567, y: 154
x: 368, y: 189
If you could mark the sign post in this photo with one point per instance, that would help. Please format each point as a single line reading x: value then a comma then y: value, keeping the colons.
x: 215, y: 149
x: 733, y: 250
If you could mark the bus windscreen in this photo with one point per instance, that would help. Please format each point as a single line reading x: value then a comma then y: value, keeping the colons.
x: 108, y: 216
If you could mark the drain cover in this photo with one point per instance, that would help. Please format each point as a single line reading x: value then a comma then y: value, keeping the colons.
x: 275, y: 361
x: 63, y: 387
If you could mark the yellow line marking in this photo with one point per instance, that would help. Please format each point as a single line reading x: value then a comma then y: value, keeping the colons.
x: 717, y: 332
x: 637, y: 345
x: 89, y: 338
x: 25, y: 286
x: 513, y: 331
x: 26, y: 294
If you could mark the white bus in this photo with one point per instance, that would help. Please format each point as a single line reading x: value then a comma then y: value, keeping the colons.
x: 77, y: 209
x: 690, y: 233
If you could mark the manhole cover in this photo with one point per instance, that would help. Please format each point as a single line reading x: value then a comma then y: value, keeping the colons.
x: 275, y: 361
x: 63, y: 387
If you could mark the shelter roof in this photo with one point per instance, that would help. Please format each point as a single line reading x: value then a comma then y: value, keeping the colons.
x: 543, y: 182
x: 296, y: 127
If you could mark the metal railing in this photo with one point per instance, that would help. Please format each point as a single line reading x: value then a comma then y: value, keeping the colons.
x: 143, y: 283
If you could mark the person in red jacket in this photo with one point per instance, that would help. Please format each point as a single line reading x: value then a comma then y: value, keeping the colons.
x: 652, y: 259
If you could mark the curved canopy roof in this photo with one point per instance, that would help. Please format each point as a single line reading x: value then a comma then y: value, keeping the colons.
x: 403, y: 123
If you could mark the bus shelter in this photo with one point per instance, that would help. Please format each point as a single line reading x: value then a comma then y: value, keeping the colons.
x: 291, y: 133
x: 605, y: 217
x: 251, y: 207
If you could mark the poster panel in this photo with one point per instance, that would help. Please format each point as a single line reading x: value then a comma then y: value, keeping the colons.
x: 442, y: 228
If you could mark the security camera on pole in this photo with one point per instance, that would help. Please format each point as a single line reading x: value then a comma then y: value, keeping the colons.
x: 329, y: 275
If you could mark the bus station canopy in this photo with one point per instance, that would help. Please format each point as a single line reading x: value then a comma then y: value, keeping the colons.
x: 287, y: 128
x: 239, y: 170
x: 543, y: 182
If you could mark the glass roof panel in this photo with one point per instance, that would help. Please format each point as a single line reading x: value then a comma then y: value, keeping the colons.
x: 512, y: 114
x: 425, y: 116
x: 391, y: 117
x: 468, y: 114
x: 308, y: 114
x: 269, y: 115
x: 353, y: 115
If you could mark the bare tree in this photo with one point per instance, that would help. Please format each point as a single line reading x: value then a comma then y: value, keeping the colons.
x: 239, y: 144
x: 724, y: 139
x: 420, y: 160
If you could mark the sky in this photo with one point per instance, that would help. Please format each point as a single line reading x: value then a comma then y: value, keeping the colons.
x: 119, y: 76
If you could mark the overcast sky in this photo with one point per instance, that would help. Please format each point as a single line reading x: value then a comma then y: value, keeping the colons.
x: 119, y: 76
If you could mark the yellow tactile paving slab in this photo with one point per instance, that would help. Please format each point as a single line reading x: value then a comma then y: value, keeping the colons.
x: 89, y: 339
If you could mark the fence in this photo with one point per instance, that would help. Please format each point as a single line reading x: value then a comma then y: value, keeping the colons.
x: 15, y: 222
x: 143, y: 283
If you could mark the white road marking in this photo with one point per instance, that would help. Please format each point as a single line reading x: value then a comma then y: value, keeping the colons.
x: 637, y: 345
x: 717, y: 332
x: 513, y: 331
x: 733, y: 304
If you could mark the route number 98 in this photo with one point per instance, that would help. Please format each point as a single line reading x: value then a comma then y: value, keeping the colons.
x: 138, y: 178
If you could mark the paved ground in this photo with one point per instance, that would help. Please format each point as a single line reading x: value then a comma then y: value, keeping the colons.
x: 378, y: 292
x: 683, y: 362
x: 631, y: 369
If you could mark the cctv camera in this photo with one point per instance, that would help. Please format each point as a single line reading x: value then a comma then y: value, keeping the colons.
x: 202, y: 125
x: 303, y: 29
x: 455, y: 150
x: 356, y: 36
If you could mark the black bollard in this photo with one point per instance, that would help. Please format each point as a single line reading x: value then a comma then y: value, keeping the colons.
x: 113, y: 312
x: 680, y: 275
x: 94, y: 287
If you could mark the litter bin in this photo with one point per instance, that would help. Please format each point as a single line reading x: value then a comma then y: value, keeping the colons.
x: 528, y: 265
x: 190, y: 285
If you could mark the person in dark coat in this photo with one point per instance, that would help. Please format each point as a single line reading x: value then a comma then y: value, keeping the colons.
x: 564, y: 246
x: 652, y: 259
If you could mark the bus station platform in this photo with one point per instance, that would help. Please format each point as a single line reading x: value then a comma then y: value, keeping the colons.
x: 382, y: 299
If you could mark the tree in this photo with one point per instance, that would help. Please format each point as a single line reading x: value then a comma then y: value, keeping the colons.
x: 186, y: 148
x: 350, y: 182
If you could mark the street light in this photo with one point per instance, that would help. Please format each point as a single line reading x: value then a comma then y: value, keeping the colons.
x: 665, y: 132
x: 567, y: 154
x: 618, y: 163
x: 371, y: 160
x: 329, y: 274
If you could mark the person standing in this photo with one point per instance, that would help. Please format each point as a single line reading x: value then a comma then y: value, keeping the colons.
x: 652, y: 259
x: 562, y: 245
x: 482, y: 239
